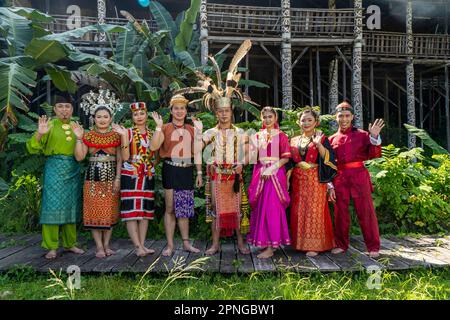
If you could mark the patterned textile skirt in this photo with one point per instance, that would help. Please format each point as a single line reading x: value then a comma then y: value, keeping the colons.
x: 268, y: 200
x: 227, y: 204
x: 100, y: 204
x: 311, y: 226
x: 181, y: 181
x: 137, y: 196
x: 61, y: 195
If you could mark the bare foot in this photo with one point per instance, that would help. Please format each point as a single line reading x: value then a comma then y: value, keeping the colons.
x: 311, y: 254
x: 189, y: 248
x: 52, y: 254
x: 100, y: 254
x: 265, y: 254
x: 75, y: 250
x: 109, y: 252
x: 167, y: 252
x: 149, y: 251
x: 246, y: 250
x: 374, y: 254
x: 140, y: 252
x: 212, y: 251
x: 337, y: 251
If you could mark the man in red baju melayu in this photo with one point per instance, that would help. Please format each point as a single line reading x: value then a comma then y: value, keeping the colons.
x: 353, y: 146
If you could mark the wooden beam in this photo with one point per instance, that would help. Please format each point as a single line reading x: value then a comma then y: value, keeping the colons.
x: 278, y: 63
x: 343, y: 58
x: 224, y: 49
x: 299, y: 57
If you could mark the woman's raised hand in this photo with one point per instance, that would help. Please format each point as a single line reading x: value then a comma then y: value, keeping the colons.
x: 158, y: 119
x: 119, y: 129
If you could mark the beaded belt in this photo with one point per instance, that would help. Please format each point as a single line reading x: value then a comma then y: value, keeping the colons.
x: 180, y: 164
x: 103, y: 159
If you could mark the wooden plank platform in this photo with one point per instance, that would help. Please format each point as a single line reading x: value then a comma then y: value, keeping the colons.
x: 395, y: 254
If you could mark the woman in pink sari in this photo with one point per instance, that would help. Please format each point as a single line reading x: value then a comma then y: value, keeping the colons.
x: 268, y: 195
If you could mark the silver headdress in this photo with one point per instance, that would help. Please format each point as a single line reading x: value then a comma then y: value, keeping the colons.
x: 104, y: 98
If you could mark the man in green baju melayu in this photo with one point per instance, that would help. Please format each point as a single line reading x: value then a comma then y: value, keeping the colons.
x: 61, y: 195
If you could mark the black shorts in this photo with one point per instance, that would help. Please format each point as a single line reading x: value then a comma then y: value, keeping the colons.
x: 179, y: 178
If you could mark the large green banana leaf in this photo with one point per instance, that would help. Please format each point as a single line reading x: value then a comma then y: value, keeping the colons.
x: 184, y: 37
x: 426, y: 139
x: 14, y: 87
x: 163, y: 18
x: 16, y: 30
x: 61, y: 78
x: 45, y: 51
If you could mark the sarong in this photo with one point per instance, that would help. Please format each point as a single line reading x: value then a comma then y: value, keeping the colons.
x: 61, y: 195
x: 311, y: 225
x: 183, y: 201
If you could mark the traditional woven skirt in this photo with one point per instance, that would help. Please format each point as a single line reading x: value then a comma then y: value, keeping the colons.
x: 100, y: 204
x: 181, y: 181
x: 61, y: 195
x: 227, y: 207
x: 311, y: 226
x: 137, y: 196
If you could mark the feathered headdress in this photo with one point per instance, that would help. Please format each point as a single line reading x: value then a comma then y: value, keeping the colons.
x: 219, y: 94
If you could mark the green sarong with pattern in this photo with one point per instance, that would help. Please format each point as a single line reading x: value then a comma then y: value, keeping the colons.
x: 61, y: 195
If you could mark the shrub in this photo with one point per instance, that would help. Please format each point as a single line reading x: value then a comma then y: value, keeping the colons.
x: 410, y: 192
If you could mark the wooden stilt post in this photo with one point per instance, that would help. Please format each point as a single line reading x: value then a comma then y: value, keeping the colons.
x: 344, y: 81
x: 410, y: 98
x: 333, y: 93
x: 447, y: 106
x: 286, y: 54
x: 357, y: 65
x: 276, y: 97
x: 247, y: 77
x: 386, y: 101
x: 372, y: 96
x: 204, y: 50
x: 319, y: 88
x: 101, y: 15
x: 311, y: 80
x: 399, y: 103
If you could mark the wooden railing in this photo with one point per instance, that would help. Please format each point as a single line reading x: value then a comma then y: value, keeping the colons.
x: 243, y: 20
x: 59, y: 25
x: 310, y: 23
x: 322, y: 22
x: 393, y: 44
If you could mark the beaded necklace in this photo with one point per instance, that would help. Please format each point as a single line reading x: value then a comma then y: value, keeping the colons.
x: 144, y: 156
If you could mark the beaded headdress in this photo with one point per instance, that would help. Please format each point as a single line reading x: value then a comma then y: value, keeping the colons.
x: 136, y: 106
x: 344, y: 106
x: 91, y: 101
x: 219, y: 94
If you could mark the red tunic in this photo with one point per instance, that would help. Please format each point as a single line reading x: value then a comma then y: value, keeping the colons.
x: 353, y: 181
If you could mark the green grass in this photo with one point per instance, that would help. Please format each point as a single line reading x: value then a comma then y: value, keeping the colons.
x: 417, y: 284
